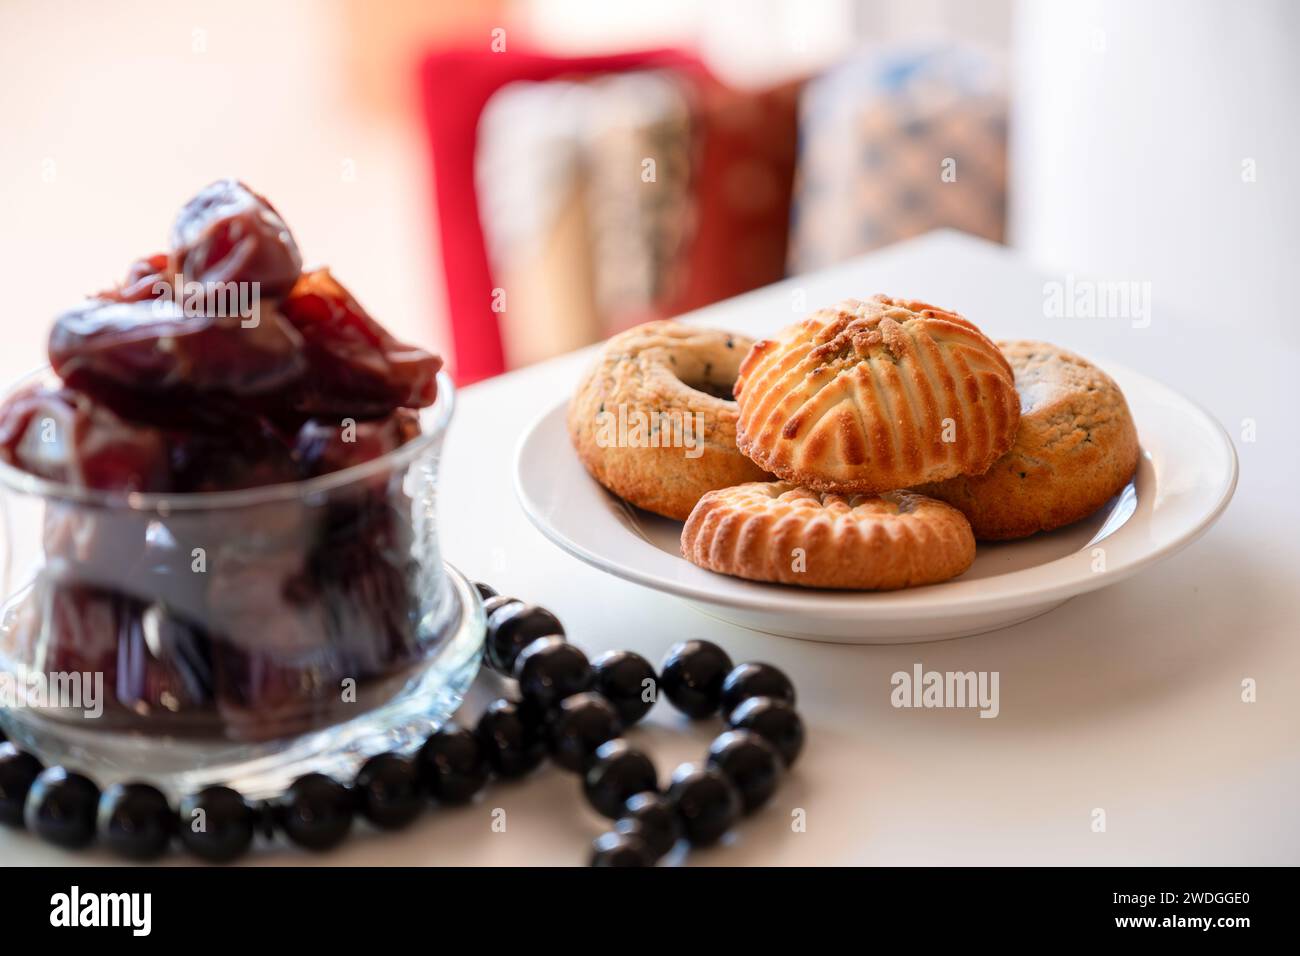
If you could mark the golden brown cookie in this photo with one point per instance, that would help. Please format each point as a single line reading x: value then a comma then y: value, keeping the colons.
x: 1076, y: 448
x: 869, y: 396
x: 653, y: 420
x: 777, y: 531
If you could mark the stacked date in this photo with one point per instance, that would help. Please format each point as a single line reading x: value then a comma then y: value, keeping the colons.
x: 221, y: 366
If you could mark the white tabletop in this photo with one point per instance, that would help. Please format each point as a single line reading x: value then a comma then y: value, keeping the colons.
x: 1128, y: 699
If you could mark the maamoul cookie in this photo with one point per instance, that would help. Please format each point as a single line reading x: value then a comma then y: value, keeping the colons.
x: 777, y: 531
x: 653, y: 420
x: 1076, y: 448
x: 869, y: 396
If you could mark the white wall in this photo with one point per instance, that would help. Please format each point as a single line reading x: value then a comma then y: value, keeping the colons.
x: 1132, y: 124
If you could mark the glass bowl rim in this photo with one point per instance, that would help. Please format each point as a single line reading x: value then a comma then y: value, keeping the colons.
x: 433, y: 426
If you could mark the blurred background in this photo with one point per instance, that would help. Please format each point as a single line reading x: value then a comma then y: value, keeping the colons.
x: 505, y: 180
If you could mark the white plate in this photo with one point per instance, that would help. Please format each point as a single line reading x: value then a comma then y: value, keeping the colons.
x: 1186, y: 477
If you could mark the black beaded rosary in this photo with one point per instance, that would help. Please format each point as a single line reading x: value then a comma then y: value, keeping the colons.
x: 569, y: 707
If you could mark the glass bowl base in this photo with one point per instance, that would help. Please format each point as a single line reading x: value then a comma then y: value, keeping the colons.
x: 262, y: 770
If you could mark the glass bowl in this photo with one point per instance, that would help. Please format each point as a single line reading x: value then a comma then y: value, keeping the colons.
x: 236, y: 637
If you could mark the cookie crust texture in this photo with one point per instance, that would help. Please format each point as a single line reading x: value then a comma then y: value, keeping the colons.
x: 1077, y: 447
x: 649, y: 419
x: 875, y: 395
x: 780, y: 532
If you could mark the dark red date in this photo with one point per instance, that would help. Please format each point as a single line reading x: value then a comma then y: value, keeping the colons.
x: 148, y: 278
x: 356, y: 366
x: 153, y: 351
x: 64, y: 436
x: 324, y: 446
x: 228, y: 233
x: 152, y: 662
x: 247, y: 454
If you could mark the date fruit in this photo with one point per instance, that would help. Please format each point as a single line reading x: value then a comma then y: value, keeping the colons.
x: 228, y: 233
x: 63, y: 436
x: 152, y: 662
x: 148, y: 278
x: 153, y: 352
x: 323, y: 446
x: 247, y: 453
x: 356, y: 367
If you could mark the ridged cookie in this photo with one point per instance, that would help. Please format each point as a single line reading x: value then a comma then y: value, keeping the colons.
x: 653, y: 420
x: 869, y: 396
x: 1076, y: 448
x: 777, y: 531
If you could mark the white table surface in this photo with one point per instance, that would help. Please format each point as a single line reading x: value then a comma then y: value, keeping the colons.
x: 1127, y: 699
